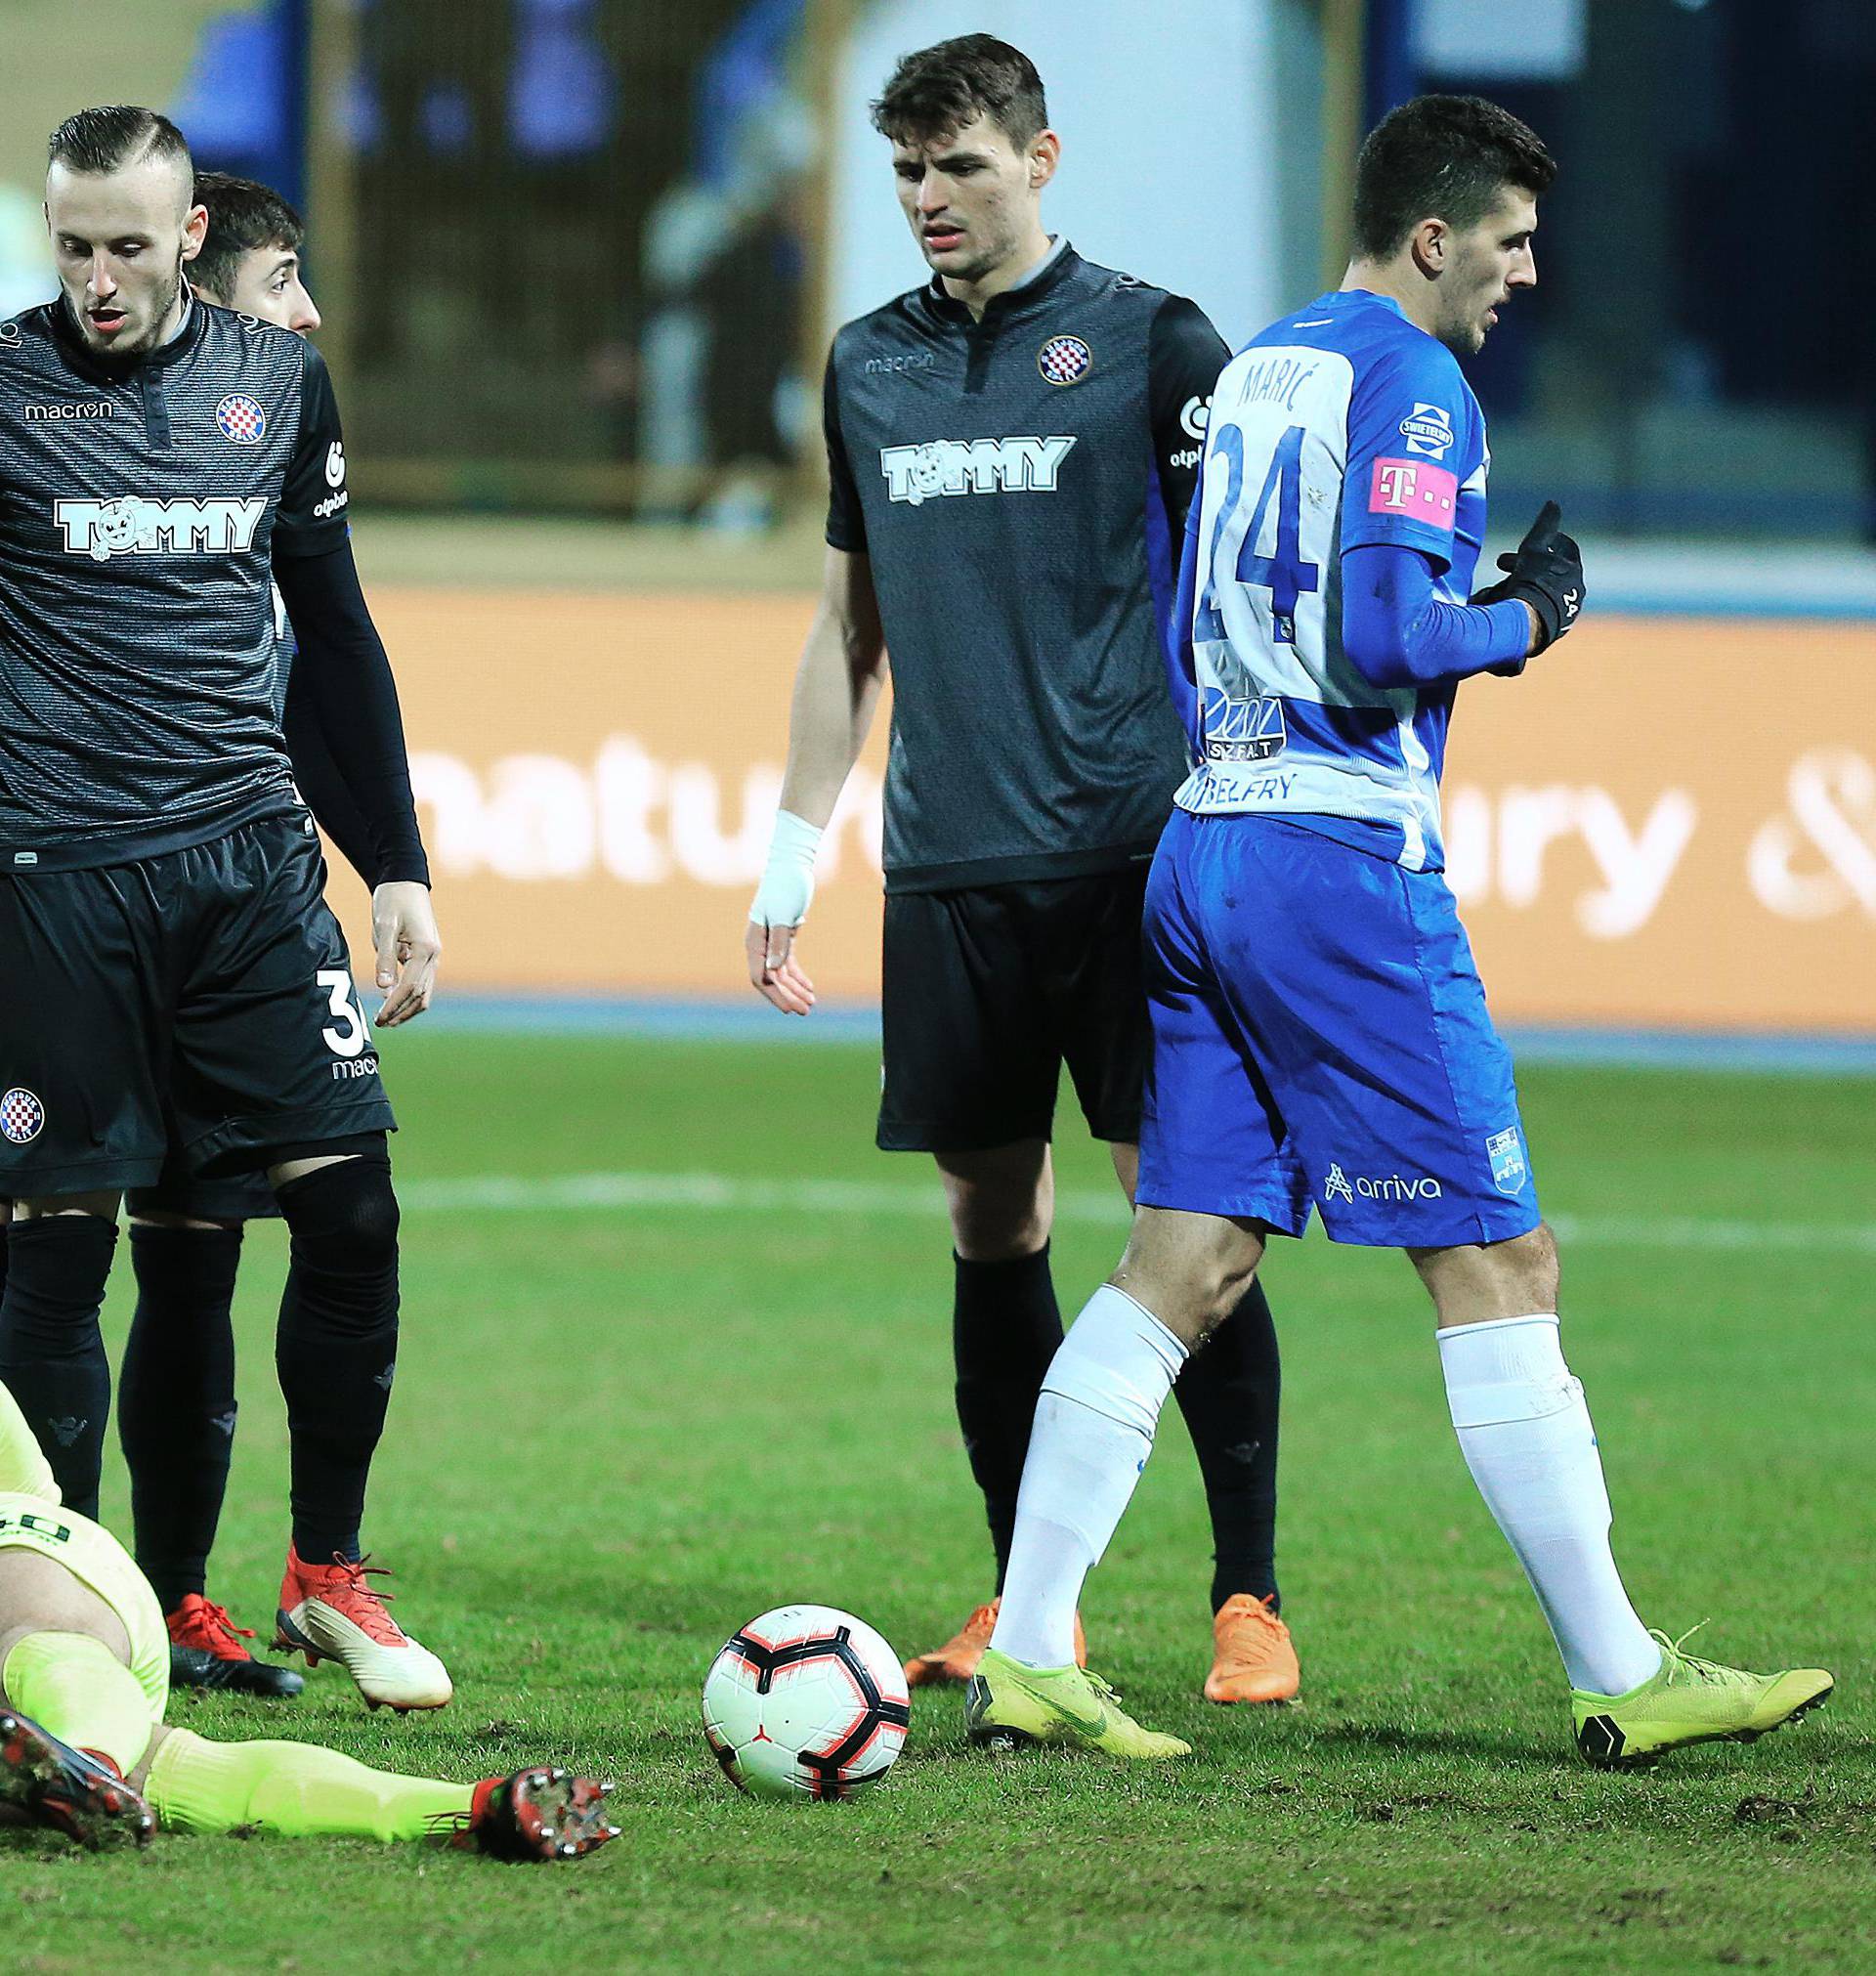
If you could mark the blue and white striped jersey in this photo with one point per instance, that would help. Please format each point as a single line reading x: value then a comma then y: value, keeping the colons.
x: 1339, y: 426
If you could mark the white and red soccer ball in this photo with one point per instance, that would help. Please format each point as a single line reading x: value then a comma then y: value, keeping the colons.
x: 805, y: 1702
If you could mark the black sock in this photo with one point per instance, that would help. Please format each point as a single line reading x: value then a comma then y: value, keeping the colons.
x: 176, y: 1400
x: 1228, y: 1392
x: 52, y: 1354
x: 1004, y: 1329
x: 337, y: 1346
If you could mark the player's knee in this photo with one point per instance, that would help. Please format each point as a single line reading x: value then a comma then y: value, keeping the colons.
x: 58, y: 1266
x: 343, y: 1217
x: 1002, y: 1201
x: 996, y: 1232
x: 1531, y: 1261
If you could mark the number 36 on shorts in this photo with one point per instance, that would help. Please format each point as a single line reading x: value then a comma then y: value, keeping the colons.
x: 348, y: 1034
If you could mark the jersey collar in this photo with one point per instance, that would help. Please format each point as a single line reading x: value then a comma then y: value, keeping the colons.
x: 1028, y: 296
x: 114, y: 370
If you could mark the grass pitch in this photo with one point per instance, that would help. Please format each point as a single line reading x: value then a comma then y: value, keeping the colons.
x: 632, y: 1413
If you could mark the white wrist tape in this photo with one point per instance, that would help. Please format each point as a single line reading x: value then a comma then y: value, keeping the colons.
x: 783, y: 897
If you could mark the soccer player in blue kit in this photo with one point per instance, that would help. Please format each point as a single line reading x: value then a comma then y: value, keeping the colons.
x: 1321, y: 1040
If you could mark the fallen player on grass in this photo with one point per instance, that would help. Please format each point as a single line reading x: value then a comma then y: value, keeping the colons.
x: 84, y: 1749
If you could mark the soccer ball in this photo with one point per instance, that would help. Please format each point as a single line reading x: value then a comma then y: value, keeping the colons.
x: 805, y: 1702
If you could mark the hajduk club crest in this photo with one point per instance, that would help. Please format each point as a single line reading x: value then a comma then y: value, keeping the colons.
x: 21, y: 1115
x: 241, y: 420
x: 1064, y: 360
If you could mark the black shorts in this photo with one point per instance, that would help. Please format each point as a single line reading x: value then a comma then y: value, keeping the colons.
x: 203, y: 996
x: 239, y: 1197
x: 987, y: 992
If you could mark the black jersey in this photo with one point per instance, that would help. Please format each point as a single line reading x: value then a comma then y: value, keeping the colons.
x: 141, y: 507
x: 1020, y: 486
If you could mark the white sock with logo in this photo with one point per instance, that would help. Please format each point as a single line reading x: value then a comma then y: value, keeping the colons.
x: 1526, y: 1437
x: 1100, y: 1403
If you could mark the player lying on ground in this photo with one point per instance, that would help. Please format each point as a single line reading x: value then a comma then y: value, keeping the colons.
x: 1035, y: 753
x: 84, y: 1681
x: 173, y: 971
x: 1321, y: 1040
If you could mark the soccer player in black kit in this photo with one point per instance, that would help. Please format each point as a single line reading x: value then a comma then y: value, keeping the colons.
x: 1012, y: 449
x: 172, y: 969
x: 176, y: 1405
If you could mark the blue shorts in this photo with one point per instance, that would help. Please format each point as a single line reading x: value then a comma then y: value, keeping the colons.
x: 1320, y: 1038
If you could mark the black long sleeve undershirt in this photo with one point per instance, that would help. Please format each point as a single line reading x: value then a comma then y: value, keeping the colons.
x: 318, y: 777
x: 343, y: 726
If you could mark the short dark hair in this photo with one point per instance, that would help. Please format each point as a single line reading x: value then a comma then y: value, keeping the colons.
x: 937, y: 91
x: 1444, y: 157
x: 115, y: 134
x: 242, y: 214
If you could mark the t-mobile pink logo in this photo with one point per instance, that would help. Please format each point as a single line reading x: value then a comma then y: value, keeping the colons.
x: 1411, y: 487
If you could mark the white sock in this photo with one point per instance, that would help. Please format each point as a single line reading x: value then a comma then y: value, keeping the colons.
x: 1526, y: 1437
x: 1094, y: 1422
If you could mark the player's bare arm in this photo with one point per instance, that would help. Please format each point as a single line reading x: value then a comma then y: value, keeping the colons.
x: 836, y: 688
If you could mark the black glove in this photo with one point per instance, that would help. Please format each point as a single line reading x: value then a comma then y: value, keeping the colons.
x: 1544, y: 572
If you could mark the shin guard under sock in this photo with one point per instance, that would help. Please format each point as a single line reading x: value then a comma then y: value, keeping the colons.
x: 297, y: 1789
x: 1229, y: 1392
x: 1094, y: 1425
x: 52, y: 1355
x: 176, y: 1400
x: 337, y: 1347
x: 1006, y: 1328
x: 1526, y: 1437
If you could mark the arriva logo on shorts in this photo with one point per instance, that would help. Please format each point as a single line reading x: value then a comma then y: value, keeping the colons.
x: 1387, y: 1188
x: 956, y: 466
x: 131, y: 525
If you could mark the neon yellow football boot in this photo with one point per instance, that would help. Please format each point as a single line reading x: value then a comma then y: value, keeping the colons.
x: 1007, y: 1703
x: 1690, y: 1700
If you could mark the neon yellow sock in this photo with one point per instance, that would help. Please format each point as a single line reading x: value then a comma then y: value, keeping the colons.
x: 296, y: 1789
x: 76, y: 1689
x: 23, y: 1468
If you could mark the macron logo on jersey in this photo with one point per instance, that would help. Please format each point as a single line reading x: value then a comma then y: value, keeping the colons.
x: 131, y: 525
x: 1412, y: 487
x: 956, y: 466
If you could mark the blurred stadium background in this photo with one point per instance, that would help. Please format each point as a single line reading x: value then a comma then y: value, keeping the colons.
x: 580, y: 261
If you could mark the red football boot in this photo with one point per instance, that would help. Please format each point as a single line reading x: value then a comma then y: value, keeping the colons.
x: 205, y: 1651
x: 539, y: 1814
x: 74, y: 1792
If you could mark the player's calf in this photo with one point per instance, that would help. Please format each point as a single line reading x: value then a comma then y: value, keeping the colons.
x: 337, y: 1346
x: 52, y: 1353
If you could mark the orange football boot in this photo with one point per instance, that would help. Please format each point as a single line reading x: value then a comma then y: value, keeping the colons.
x: 1251, y: 1657
x: 956, y: 1659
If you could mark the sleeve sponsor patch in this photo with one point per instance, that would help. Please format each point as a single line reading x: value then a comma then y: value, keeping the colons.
x: 1428, y: 430
x: 1414, y: 489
